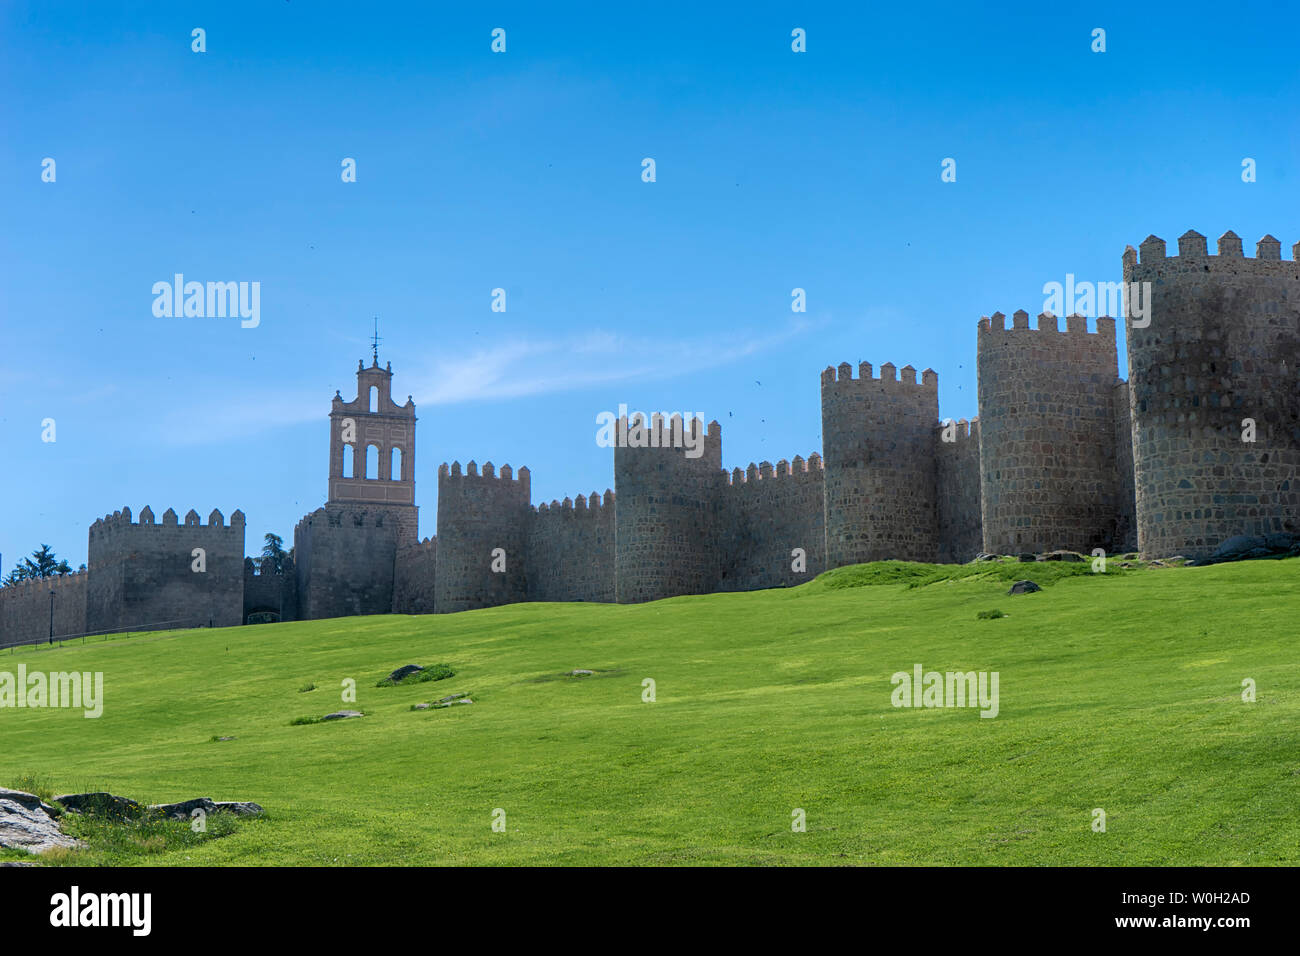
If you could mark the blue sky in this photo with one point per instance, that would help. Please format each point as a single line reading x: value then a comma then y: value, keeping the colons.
x: 522, y: 170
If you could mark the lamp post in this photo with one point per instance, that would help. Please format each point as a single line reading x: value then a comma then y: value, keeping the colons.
x: 51, y: 615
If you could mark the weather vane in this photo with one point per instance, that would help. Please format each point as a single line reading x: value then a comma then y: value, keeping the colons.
x: 375, y: 343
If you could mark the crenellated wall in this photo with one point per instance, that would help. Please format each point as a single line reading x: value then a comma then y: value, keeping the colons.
x: 1047, y: 436
x: 766, y: 514
x: 957, y: 489
x: 571, y: 550
x: 27, y: 610
x: 1221, y: 345
x: 1063, y: 454
x: 143, y: 574
x: 878, y: 439
x: 478, y: 514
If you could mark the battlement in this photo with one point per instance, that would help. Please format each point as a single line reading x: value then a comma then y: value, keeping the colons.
x: 29, y: 586
x: 811, y: 469
x: 507, y: 474
x: 352, y: 516
x: 962, y: 430
x: 582, y: 504
x: 119, y: 520
x: 1075, y: 325
x: 890, y: 375
x: 1151, y: 258
x: 660, y: 432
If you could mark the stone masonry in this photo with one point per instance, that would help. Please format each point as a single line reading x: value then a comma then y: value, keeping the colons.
x: 1220, y: 358
x: 1203, y: 443
x: 1047, y: 439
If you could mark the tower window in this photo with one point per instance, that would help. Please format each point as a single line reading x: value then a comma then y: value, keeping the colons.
x: 372, y: 461
x: 374, y: 398
x: 349, y: 463
x: 397, y: 465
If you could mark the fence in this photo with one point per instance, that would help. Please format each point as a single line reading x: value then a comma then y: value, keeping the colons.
x: 106, y: 633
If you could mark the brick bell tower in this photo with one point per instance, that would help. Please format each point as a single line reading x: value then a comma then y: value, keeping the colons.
x: 372, y: 450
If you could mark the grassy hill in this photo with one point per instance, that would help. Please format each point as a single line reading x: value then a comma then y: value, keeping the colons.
x: 1120, y: 691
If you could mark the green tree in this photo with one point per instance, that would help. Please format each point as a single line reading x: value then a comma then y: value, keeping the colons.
x: 43, y: 563
x: 274, y: 549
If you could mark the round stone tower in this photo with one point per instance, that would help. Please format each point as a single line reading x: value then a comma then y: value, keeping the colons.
x: 1048, y: 472
x: 878, y: 439
x: 1214, y: 353
x: 669, y: 480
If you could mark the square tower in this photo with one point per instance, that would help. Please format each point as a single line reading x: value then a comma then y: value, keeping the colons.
x: 372, y: 450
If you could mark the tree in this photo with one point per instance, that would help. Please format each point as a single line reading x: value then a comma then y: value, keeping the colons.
x: 42, y: 564
x: 274, y: 549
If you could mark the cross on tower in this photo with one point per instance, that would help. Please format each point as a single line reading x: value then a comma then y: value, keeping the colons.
x: 375, y: 342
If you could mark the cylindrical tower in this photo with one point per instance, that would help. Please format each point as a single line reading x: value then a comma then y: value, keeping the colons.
x: 878, y: 441
x: 666, y: 516
x: 1213, y: 358
x: 1048, y: 473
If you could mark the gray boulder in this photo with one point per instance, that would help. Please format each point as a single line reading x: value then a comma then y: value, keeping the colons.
x: 1282, y: 541
x: 29, y: 800
x: 183, y: 809
x: 1024, y: 587
x: 1246, y: 547
x: 1026, y: 558
x: 343, y: 715
x: 31, y: 829
x: 403, y: 672
x: 99, y: 802
x: 1238, y: 545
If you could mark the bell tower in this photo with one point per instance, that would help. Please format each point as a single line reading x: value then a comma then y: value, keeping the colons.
x: 372, y: 449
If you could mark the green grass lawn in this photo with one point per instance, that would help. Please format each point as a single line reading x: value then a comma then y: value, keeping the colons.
x: 1120, y: 691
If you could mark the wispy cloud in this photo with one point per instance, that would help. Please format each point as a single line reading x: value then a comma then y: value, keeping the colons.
x: 515, y: 368
x: 538, y: 367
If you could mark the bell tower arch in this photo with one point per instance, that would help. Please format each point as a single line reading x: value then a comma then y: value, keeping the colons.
x: 368, y: 435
